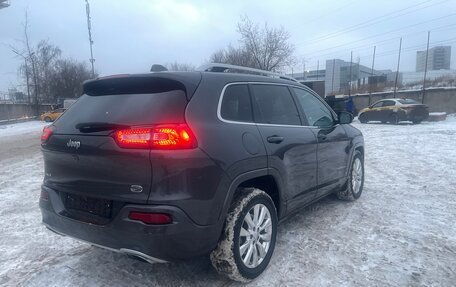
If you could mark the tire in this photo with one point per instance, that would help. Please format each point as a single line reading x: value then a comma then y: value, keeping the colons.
x: 393, y: 119
x: 47, y: 119
x: 227, y: 258
x: 362, y: 118
x: 355, y: 181
x: 416, y: 122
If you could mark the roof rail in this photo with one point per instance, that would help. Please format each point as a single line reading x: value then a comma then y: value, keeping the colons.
x: 224, y: 68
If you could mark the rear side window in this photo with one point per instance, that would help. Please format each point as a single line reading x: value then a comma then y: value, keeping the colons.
x: 125, y: 109
x: 236, y: 105
x: 408, y: 102
x: 275, y: 105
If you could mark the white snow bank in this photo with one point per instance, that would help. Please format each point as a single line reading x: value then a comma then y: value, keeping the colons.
x: 21, y: 128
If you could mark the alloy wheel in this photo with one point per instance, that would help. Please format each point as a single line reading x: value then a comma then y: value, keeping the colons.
x: 255, y: 235
x: 357, y: 175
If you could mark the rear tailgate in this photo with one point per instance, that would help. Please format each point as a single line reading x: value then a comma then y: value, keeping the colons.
x: 98, y: 168
x: 90, y: 163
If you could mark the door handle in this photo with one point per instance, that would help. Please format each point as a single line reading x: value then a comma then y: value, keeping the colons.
x: 275, y: 139
x: 321, y: 137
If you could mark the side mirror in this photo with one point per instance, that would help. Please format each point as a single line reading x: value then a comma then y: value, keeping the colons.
x: 345, y: 117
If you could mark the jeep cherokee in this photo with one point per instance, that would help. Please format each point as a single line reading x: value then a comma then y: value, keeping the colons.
x: 172, y: 165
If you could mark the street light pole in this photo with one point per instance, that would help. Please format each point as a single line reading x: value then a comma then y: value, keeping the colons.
x: 89, y: 27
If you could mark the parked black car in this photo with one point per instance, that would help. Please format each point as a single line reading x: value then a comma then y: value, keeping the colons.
x: 394, y: 110
x: 171, y: 165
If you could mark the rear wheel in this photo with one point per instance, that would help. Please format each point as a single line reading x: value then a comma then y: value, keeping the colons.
x: 362, y: 118
x: 415, y: 122
x: 47, y: 119
x: 393, y: 119
x: 249, y: 237
x: 356, y: 179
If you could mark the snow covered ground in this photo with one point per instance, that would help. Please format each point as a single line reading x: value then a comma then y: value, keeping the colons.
x: 21, y: 128
x: 401, y: 232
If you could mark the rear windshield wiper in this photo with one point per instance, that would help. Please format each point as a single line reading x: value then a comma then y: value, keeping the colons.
x: 91, y: 127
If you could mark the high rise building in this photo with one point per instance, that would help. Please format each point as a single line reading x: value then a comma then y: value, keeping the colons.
x: 439, y: 58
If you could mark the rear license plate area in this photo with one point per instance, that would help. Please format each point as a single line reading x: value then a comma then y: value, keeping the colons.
x: 95, y: 206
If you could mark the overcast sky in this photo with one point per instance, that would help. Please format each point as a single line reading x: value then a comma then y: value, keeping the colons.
x: 131, y: 35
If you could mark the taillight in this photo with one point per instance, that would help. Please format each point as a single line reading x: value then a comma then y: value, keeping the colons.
x: 177, y: 136
x: 133, y: 138
x: 47, y: 132
x: 151, y: 218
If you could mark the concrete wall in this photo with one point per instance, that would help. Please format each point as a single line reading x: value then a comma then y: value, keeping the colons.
x: 438, y: 99
x: 17, y: 111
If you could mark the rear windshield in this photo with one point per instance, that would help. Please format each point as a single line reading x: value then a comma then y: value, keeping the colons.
x: 408, y: 102
x: 134, y: 109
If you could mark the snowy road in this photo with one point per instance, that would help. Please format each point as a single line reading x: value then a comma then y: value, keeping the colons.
x: 401, y: 232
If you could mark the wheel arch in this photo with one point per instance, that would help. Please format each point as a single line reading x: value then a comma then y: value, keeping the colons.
x: 264, y: 179
x: 358, y: 145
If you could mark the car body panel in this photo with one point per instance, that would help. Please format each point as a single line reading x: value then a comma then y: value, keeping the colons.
x: 332, y: 156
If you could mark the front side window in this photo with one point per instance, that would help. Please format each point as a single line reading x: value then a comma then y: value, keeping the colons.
x: 236, y: 105
x: 275, y: 105
x: 378, y: 104
x: 316, y: 112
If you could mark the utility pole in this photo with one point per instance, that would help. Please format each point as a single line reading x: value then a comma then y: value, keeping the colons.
x: 318, y: 68
x: 332, y: 80
x: 89, y: 27
x: 372, y: 74
x: 373, y: 62
x: 349, y: 81
x: 304, y: 70
x: 397, y: 70
x: 425, y: 67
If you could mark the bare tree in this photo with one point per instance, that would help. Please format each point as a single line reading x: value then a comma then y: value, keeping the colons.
x: 53, y: 77
x: 29, y: 68
x: 234, y: 56
x: 180, y: 67
x: 67, y: 77
x: 262, y: 48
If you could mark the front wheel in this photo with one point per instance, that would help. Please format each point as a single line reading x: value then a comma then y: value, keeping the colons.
x: 355, y: 181
x: 362, y: 118
x: 249, y: 236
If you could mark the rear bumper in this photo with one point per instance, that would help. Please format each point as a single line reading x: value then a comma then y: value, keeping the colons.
x: 179, y: 240
x: 417, y: 115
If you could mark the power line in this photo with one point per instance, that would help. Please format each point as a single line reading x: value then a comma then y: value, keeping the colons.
x: 405, y: 50
x: 375, y: 20
x: 329, y: 13
x: 388, y: 32
x: 369, y: 46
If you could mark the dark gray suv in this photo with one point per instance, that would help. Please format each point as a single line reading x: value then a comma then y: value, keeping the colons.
x: 172, y: 165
